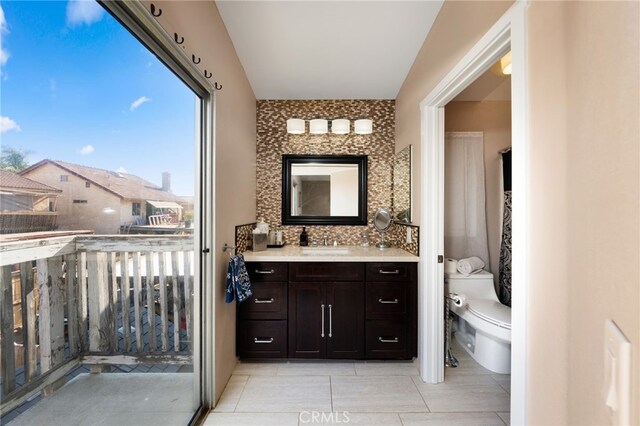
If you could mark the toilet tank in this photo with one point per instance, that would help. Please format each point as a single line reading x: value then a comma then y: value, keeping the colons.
x: 475, y: 286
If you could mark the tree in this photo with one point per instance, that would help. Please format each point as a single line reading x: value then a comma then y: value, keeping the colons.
x: 13, y: 160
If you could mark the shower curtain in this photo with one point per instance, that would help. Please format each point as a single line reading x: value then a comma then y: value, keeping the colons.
x: 465, y: 229
x: 504, y: 278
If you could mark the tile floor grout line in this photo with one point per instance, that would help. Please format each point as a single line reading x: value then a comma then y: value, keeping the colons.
x: 331, y: 392
x: 420, y: 393
x: 241, y: 393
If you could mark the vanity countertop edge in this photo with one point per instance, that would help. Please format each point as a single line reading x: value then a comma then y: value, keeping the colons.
x: 293, y: 253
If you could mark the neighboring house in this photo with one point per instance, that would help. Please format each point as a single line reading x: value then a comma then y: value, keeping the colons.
x: 26, y: 205
x: 103, y: 200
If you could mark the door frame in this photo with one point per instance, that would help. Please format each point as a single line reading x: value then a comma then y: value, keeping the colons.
x: 509, y: 32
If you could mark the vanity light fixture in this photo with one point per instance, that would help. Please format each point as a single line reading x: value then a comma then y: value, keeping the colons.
x: 340, y: 126
x: 363, y: 126
x: 295, y: 126
x: 318, y: 126
x: 505, y: 64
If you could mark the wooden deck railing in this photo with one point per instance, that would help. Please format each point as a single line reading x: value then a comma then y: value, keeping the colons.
x: 98, y: 300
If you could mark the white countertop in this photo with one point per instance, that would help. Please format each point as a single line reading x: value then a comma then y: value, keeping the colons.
x: 291, y: 253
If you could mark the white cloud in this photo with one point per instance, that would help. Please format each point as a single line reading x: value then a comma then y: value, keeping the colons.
x: 141, y: 100
x: 83, y: 12
x: 4, y: 54
x: 87, y: 149
x: 3, y: 21
x: 7, y: 124
x: 121, y: 170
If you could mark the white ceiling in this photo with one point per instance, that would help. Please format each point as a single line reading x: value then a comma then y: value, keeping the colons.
x: 327, y: 49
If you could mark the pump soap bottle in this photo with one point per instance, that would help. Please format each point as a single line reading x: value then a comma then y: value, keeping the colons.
x: 304, y: 238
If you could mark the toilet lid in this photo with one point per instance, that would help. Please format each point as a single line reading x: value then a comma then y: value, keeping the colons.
x: 492, y: 311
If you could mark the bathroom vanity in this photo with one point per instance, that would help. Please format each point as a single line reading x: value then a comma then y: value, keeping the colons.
x: 329, y: 302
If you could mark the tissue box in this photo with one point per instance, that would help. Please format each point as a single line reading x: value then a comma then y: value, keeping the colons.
x: 259, y: 242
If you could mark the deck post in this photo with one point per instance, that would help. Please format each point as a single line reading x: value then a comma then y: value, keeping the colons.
x: 44, y: 314
x: 100, y: 324
x: 28, y: 321
x: 72, y: 303
x: 8, y: 354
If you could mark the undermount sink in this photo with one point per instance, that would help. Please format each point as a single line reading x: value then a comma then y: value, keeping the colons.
x: 325, y: 250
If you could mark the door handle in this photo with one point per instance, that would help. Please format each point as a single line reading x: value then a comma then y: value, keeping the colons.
x: 394, y: 272
x: 263, y: 300
x: 383, y: 340
x: 385, y: 302
x: 330, y: 320
x: 322, y: 332
x: 269, y: 272
x: 261, y: 340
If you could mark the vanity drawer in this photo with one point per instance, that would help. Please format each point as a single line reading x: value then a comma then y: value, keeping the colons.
x: 326, y: 271
x: 267, y: 271
x: 387, y: 340
x: 269, y: 301
x: 391, y: 271
x: 386, y: 300
x: 262, y: 339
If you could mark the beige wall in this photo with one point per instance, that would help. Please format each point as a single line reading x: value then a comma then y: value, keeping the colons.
x: 89, y: 216
x: 493, y: 118
x: 603, y: 139
x: 457, y: 28
x: 583, y: 113
x: 205, y: 35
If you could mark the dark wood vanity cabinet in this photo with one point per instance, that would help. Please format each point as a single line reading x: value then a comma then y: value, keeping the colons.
x: 326, y: 316
x: 391, y: 311
x: 261, y: 330
x: 342, y: 310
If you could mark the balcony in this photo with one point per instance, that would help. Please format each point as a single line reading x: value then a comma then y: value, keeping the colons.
x: 121, y: 305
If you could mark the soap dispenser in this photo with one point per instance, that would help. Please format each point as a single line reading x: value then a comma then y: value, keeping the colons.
x: 304, y: 238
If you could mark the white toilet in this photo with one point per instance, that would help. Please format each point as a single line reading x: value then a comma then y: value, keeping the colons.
x: 483, y: 325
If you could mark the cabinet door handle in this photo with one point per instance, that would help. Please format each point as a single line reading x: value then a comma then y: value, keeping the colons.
x: 269, y: 272
x: 394, y: 272
x: 263, y: 340
x: 387, y: 340
x: 386, y: 302
x: 263, y: 300
x: 330, y: 320
x: 322, y: 331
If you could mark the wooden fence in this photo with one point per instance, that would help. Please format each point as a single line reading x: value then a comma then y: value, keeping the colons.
x: 98, y: 300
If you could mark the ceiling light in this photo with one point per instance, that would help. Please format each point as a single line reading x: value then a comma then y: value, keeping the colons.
x: 363, y: 126
x: 505, y: 64
x: 318, y: 126
x: 340, y: 126
x: 295, y: 126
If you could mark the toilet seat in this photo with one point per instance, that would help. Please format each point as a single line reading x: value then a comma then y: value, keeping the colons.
x: 491, y: 311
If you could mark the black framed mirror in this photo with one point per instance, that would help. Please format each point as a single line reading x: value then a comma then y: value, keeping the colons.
x: 324, y: 189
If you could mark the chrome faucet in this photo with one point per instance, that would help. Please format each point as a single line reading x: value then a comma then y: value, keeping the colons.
x: 325, y: 239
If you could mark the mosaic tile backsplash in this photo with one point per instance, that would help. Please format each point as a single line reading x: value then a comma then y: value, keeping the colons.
x: 273, y: 141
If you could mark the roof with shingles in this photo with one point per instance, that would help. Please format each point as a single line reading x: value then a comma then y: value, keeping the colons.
x: 124, y: 185
x: 12, y: 181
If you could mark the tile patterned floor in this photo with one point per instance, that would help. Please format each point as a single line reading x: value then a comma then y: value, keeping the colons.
x: 361, y: 393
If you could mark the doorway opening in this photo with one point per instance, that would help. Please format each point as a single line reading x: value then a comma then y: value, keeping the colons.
x: 509, y: 33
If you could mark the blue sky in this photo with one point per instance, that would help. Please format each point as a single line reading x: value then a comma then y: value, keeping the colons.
x: 76, y: 86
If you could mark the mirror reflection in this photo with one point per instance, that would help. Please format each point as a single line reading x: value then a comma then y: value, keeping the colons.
x: 402, y: 185
x: 324, y: 189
